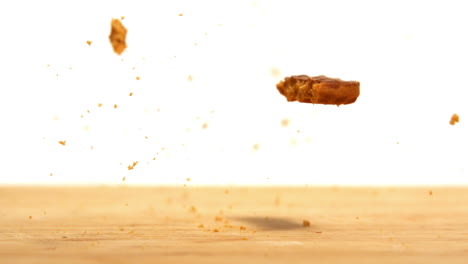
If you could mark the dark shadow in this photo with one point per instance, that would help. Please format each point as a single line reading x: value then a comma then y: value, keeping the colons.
x: 271, y: 223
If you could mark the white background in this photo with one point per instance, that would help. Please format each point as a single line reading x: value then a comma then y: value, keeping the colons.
x: 411, y: 58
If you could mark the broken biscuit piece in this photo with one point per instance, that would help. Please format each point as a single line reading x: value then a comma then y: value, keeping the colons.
x: 117, y: 36
x: 455, y: 119
x: 318, y: 90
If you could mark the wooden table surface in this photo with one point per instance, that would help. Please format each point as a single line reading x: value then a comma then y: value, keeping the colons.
x: 233, y: 225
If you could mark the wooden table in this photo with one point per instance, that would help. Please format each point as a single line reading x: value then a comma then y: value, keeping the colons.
x: 233, y: 225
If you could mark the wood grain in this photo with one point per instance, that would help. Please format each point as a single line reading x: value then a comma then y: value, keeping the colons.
x: 233, y: 225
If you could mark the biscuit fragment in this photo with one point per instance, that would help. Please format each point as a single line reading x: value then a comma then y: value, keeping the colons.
x: 318, y: 90
x: 117, y: 36
x: 455, y: 119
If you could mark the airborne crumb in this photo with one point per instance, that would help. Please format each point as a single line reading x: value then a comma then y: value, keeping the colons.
x: 99, y: 105
x: 62, y: 142
x: 137, y: 78
x: 123, y: 179
x: 89, y: 42
x: 130, y: 94
x: 117, y: 36
x: 285, y: 122
x: 455, y: 119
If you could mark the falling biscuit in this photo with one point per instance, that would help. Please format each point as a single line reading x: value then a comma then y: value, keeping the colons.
x: 318, y: 90
x: 117, y: 36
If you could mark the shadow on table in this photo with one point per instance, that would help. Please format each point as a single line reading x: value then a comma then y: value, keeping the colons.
x: 271, y: 223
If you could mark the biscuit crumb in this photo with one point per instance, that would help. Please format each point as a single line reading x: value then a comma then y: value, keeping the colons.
x: 430, y: 192
x: 130, y: 167
x: 117, y: 36
x: 137, y: 78
x: 218, y: 218
x: 89, y: 42
x: 285, y: 122
x: 200, y: 226
x: 215, y: 230
x: 99, y: 105
x: 319, y: 90
x: 242, y: 228
x: 130, y: 94
x: 256, y: 146
x: 115, y: 106
x: 30, y: 217
x: 455, y: 119
x: 244, y: 238
x: 205, y: 125
x: 305, y: 223
x: 123, y: 179
x: 62, y: 142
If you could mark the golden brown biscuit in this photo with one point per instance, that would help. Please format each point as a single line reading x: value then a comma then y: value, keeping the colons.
x: 117, y: 36
x: 318, y: 90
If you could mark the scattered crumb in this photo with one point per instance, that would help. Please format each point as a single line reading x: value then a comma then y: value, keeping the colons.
x: 215, y: 230
x: 188, y: 179
x: 244, y: 238
x: 193, y: 209
x: 318, y: 232
x: 256, y: 146
x: 226, y: 191
x: 30, y: 217
x: 117, y: 36
x: 62, y: 142
x: 115, y: 106
x: 455, y: 119
x: 122, y: 229
x: 130, y: 94
x: 89, y: 42
x: 181, y: 14
x: 130, y: 167
x: 357, y: 217
x: 122, y: 17
x: 205, y: 125
x: 275, y: 72
x: 50, y: 174
x: 285, y: 122
x: 200, y: 226
x: 131, y: 232
x: 123, y: 179
x: 242, y: 228
x: 430, y: 192
x: 137, y: 78
x: 305, y: 223
x: 99, y: 105
x: 91, y: 147
x: 218, y: 218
